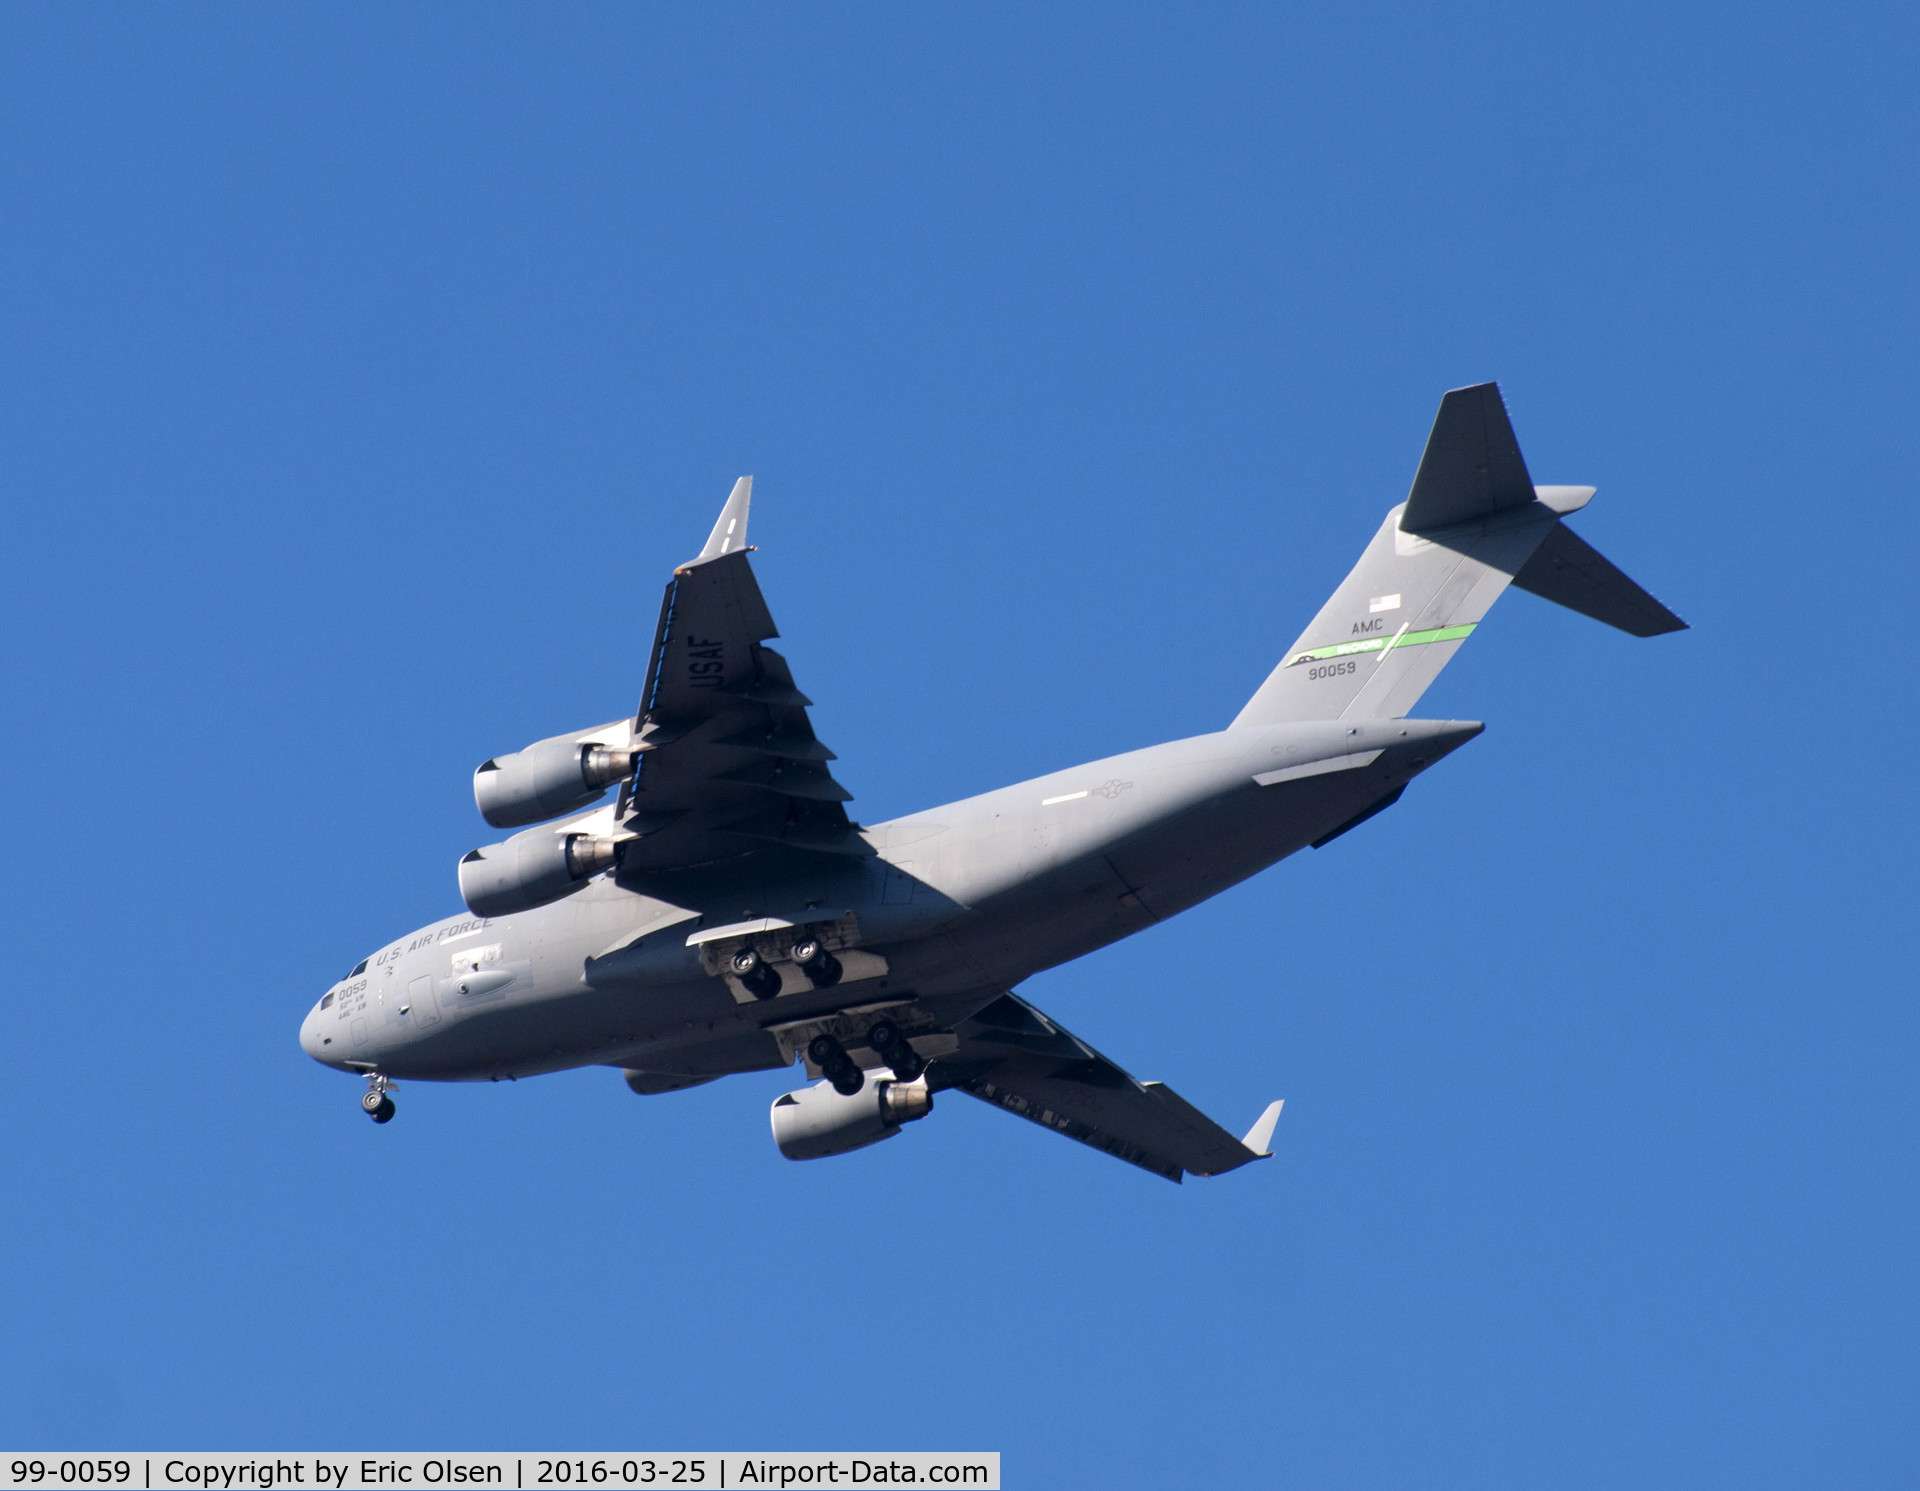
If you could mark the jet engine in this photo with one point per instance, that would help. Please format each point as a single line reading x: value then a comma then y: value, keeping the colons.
x: 531, y: 869
x: 551, y: 777
x: 816, y: 1121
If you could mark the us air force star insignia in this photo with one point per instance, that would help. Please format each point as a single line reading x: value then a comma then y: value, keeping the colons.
x: 1112, y: 788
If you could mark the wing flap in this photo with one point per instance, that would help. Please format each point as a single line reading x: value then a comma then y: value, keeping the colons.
x: 731, y: 763
x: 711, y: 619
x: 1016, y: 1058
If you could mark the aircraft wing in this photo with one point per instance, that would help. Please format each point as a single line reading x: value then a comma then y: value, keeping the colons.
x: 729, y: 759
x: 1013, y: 1056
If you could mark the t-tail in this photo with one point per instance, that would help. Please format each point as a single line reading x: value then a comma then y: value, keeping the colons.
x: 1473, y: 524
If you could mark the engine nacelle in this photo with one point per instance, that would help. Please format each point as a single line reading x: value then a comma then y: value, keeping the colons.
x: 532, y: 869
x: 551, y: 777
x: 816, y: 1121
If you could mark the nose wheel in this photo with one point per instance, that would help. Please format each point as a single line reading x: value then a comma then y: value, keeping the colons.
x: 375, y: 1102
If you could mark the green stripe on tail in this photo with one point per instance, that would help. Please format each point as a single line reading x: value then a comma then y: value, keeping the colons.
x: 1381, y: 644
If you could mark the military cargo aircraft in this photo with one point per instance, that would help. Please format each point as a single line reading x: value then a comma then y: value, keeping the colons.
x: 723, y: 914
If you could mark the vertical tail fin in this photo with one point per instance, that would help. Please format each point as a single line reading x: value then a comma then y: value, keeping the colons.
x: 1472, y: 523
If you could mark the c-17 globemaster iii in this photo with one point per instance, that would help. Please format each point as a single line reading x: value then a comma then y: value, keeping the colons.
x: 723, y: 914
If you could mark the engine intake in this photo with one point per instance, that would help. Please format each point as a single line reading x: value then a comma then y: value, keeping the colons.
x: 532, y: 869
x: 551, y: 777
x: 816, y: 1121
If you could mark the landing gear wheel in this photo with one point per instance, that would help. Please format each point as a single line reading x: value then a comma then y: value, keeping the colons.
x: 761, y: 978
x: 835, y: 1065
x: 822, y: 1049
x: 885, y: 1038
x: 820, y: 966
x: 375, y: 1103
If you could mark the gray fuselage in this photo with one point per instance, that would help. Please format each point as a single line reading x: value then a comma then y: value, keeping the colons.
x: 951, y: 907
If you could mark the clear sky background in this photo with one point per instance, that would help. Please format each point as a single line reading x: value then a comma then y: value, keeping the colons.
x: 365, y: 370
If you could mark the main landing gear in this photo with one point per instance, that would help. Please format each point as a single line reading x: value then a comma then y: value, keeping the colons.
x: 761, y: 977
x: 835, y: 1065
x: 375, y: 1102
x: 885, y: 1038
x: 820, y: 966
x: 887, y: 1042
x: 762, y: 980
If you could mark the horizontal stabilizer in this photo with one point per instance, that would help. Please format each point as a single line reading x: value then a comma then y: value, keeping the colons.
x: 1472, y: 467
x: 1569, y: 571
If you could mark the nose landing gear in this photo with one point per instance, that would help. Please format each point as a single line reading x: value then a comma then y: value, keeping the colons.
x: 374, y: 1102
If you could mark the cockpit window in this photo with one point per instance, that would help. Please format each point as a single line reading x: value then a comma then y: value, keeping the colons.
x: 327, y: 1002
x: 358, y: 969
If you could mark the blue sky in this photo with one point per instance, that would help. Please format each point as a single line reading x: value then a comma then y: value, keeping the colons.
x: 364, y: 371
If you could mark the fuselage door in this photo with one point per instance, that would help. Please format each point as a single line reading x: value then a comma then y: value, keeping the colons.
x: 421, y: 1004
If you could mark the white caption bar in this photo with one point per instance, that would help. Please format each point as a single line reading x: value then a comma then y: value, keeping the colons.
x: 701, y: 1471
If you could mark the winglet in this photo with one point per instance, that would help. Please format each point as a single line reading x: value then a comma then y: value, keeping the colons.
x: 1261, y: 1134
x: 729, y: 534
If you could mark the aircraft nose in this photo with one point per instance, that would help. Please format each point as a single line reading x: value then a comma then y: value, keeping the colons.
x: 312, y: 1041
